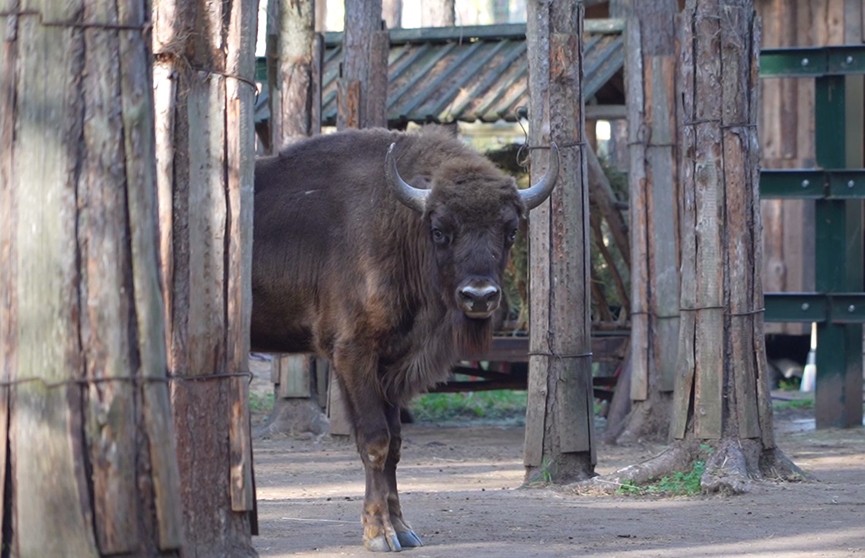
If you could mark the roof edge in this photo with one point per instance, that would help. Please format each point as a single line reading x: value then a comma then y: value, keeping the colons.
x: 468, y: 32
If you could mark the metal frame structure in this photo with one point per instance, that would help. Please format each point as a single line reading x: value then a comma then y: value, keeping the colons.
x: 838, y: 305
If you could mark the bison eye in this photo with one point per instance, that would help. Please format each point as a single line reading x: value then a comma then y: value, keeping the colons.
x: 439, y: 237
x: 512, y: 236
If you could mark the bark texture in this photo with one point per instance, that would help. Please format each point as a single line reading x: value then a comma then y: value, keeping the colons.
x: 362, y: 87
x: 292, y: 52
x: 722, y: 388
x: 204, y: 99
x: 721, y: 406
x: 86, y: 441
x: 559, y: 420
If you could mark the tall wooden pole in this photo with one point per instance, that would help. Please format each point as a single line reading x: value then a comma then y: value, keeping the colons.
x: 560, y: 416
x: 292, y: 56
x: 204, y: 98
x: 650, y: 62
x: 86, y: 444
x: 721, y: 405
x: 721, y: 396
x: 362, y: 87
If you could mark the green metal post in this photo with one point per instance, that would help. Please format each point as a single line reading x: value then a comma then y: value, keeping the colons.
x: 838, y: 269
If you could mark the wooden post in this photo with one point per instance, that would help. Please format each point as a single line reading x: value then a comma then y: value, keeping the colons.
x: 362, y: 87
x: 650, y: 62
x: 291, y: 71
x: 84, y: 400
x: 294, y: 375
x: 560, y: 416
x: 340, y: 423
x: 205, y: 91
x: 722, y: 381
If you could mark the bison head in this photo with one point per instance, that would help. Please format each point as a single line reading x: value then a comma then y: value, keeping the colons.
x: 472, y: 211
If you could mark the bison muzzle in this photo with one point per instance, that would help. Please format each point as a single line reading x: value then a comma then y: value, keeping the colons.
x: 383, y: 252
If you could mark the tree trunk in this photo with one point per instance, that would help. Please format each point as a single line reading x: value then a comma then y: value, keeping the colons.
x: 362, y: 87
x: 86, y: 445
x: 292, y: 48
x: 391, y: 12
x: 438, y: 13
x: 560, y: 416
x: 721, y: 407
x: 722, y: 389
x: 204, y: 99
x: 654, y: 195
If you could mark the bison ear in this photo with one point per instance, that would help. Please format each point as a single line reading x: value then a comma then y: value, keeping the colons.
x: 412, y: 197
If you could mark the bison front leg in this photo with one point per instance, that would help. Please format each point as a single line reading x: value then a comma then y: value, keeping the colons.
x: 384, y: 528
x: 407, y: 537
x: 367, y: 410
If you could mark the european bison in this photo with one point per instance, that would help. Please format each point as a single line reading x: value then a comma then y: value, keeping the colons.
x: 390, y: 278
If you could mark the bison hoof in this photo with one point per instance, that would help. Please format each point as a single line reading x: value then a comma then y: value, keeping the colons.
x: 382, y: 543
x: 408, y: 539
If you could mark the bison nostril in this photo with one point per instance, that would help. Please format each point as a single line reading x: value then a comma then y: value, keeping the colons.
x: 484, y: 298
x: 491, y: 296
x: 485, y: 293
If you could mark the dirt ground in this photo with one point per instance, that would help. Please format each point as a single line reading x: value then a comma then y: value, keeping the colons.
x: 460, y: 489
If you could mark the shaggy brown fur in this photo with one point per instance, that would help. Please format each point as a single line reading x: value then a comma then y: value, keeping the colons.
x: 344, y: 269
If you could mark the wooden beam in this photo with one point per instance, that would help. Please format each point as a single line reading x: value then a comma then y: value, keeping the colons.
x: 606, y: 112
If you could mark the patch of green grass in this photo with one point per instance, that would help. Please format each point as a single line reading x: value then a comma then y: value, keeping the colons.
x: 546, y: 473
x: 799, y: 404
x: 791, y: 384
x: 494, y: 405
x: 677, y: 484
x: 259, y: 403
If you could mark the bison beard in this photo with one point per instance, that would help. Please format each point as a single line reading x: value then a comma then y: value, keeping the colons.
x: 389, y: 281
x: 471, y: 337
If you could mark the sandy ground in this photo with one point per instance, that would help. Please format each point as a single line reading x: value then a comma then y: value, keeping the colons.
x: 460, y: 489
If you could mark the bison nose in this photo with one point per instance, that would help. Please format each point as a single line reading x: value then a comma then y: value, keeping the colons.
x: 479, y: 300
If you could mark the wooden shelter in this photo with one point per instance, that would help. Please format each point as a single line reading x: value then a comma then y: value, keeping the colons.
x: 470, y: 74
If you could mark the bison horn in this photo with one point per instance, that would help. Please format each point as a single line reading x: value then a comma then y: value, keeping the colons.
x: 412, y: 197
x: 535, y: 194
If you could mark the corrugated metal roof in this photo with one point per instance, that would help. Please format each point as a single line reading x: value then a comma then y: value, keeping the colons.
x: 469, y: 74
